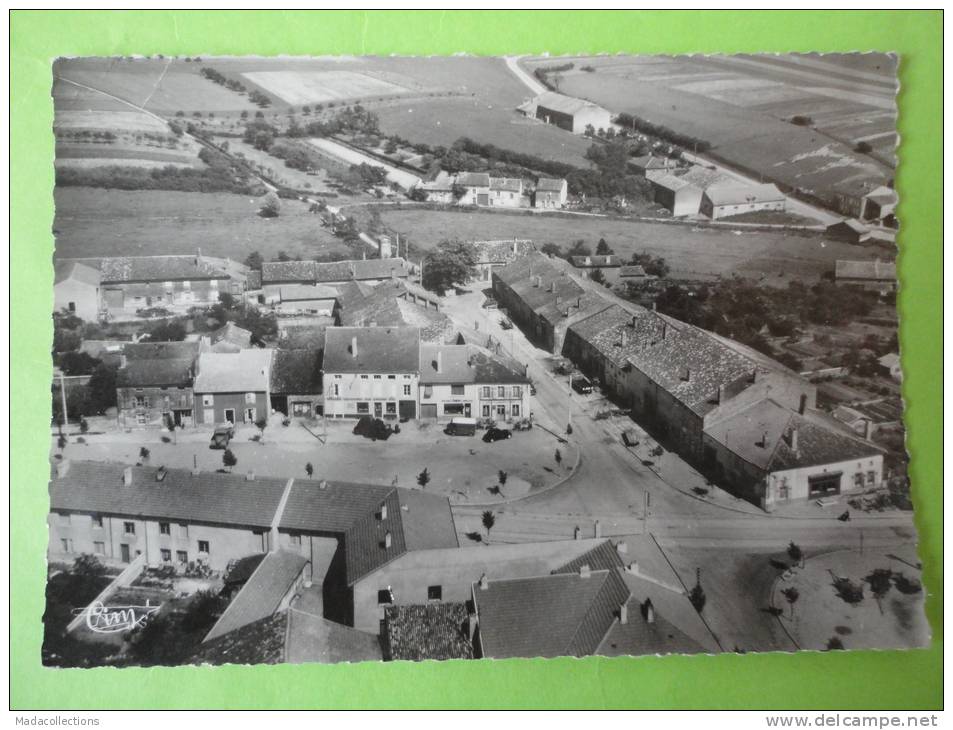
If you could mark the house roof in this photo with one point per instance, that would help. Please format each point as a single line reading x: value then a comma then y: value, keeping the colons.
x: 245, y: 371
x: 652, y: 162
x: 631, y: 271
x: 890, y: 360
x: 474, y: 179
x: 704, y: 177
x: 301, y: 292
x: 511, y: 184
x: 603, y: 556
x: 158, y: 268
x: 851, y: 223
x: 328, y: 507
x: 258, y: 642
x: 379, y: 350
x: 374, y: 306
x: 671, y: 182
x: 882, y: 195
x: 162, y: 350
x: 595, y: 260
x: 762, y: 435
x: 427, y: 631
x: 639, y: 636
x: 434, y: 326
x: 734, y: 194
x: 253, y: 280
x: 316, y: 272
x: 284, y: 271
x: 242, y: 569
x: 443, y: 182
x: 63, y: 270
x: 170, y: 372
x: 565, y: 104
x: 466, y: 364
x: 550, y: 185
x: 296, y: 372
x: 230, y: 336
x: 262, y: 594
x: 565, y: 614
x: 871, y: 270
x: 222, y: 499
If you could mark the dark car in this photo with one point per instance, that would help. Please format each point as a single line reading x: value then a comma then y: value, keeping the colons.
x: 221, y: 436
x: 372, y: 428
x: 532, y: 388
x: 497, y: 434
x: 581, y: 385
x: 506, y: 323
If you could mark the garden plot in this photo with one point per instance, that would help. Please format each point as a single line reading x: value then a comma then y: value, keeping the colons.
x: 309, y: 87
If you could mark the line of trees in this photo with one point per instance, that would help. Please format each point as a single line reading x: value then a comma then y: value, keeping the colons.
x: 639, y: 124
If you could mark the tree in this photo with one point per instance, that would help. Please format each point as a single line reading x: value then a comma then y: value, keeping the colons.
x: 254, y: 260
x: 559, y: 457
x: 880, y: 581
x: 791, y: 595
x: 597, y: 276
x: 309, y: 469
x: 452, y: 262
x: 590, y: 131
x: 229, y: 459
x: 88, y: 565
x: 697, y: 594
x: 834, y: 643
x: 551, y: 249
x: 795, y: 553
x: 144, y: 454
x: 488, y: 519
x: 77, y: 363
x: 603, y: 248
x: 423, y: 479
x: 579, y: 248
x: 261, y: 424
x: 502, y: 476
x: 170, y: 425
x: 271, y: 206
x: 203, y: 611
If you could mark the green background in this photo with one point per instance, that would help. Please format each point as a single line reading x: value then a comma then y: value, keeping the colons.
x: 858, y: 680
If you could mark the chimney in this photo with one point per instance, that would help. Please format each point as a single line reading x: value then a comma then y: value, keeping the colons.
x: 250, y: 476
x: 323, y: 484
x: 793, y: 438
x: 597, y: 529
x: 588, y: 260
x: 354, y: 346
x: 123, y: 361
x: 160, y: 474
x: 514, y: 245
x: 127, y: 476
x: 585, y: 571
x: 623, y: 614
x: 383, y: 512
x: 802, y: 406
x: 623, y: 339
x: 552, y: 286
x: 62, y: 468
x: 764, y: 440
x: 576, y: 533
x: 721, y: 394
x: 387, y: 539
x: 688, y: 375
x: 867, y: 429
x: 621, y: 548
x: 633, y: 568
x: 484, y: 582
x: 439, y: 361
x: 664, y: 329
x: 649, y: 611
x: 754, y: 375
x: 578, y: 302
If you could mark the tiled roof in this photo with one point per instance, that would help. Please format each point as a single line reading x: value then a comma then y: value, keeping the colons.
x: 735, y: 194
x: 466, y: 364
x: 474, y: 179
x: 361, y: 269
x: 632, y: 271
x: 150, y: 373
x: 63, y: 270
x: 242, y: 569
x: 262, y: 594
x: 704, y: 177
x: 285, y: 271
x: 329, y: 507
x: 296, y: 372
x: 161, y: 350
x: 434, y: 326
x: 762, y: 435
x: 379, y: 350
x: 595, y: 260
x: 231, y: 334
x: 652, y: 162
x: 428, y: 631
x: 872, y: 270
x: 604, y: 332
x: 604, y: 556
x: 259, y: 642
x: 222, y: 499
x: 671, y: 182
x: 376, y: 307
x: 245, y: 371
x: 565, y: 104
x: 511, y: 184
x: 253, y: 280
x: 550, y: 185
x: 157, y: 268
x: 300, y: 292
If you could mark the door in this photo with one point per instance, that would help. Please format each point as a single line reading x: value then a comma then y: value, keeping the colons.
x: 428, y: 410
x: 378, y: 410
x: 124, y: 551
x: 466, y: 410
x: 408, y: 409
x: 208, y: 415
x: 483, y: 198
x: 501, y: 411
x: 230, y: 415
x: 250, y: 415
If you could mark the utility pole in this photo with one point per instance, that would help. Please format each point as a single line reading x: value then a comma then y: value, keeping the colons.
x: 63, y: 394
x: 645, y: 513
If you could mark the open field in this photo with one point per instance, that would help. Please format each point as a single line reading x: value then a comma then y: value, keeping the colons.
x: 98, y: 222
x: 692, y: 253
x: 309, y: 87
x: 742, y: 104
x: 404, y: 179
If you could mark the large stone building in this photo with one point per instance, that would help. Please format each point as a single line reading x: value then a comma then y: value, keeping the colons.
x: 76, y: 289
x: 233, y: 387
x: 370, y: 271
x: 567, y: 112
x: 154, y: 383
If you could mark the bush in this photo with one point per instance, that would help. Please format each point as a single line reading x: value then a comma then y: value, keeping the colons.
x: 863, y: 148
x: 848, y: 591
x: 802, y: 121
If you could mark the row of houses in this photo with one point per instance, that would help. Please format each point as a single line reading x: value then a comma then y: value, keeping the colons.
x: 481, y: 189
x: 743, y: 419
x: 325, y: 571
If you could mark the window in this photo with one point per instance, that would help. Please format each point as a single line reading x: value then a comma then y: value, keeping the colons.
x: 453, y: 409
x: 501, y: 391
x: 249, y: 397
x: 377, y: 377
x: 140, y: 401
x: 392, y: 377
x: 858, y: 479
x: 141, y: 419
x: 487, y: 391
x: 363, y: 407
x: 204, y: 546
x: 183, y: 530
x: 72, y: 306
x: 165, y: 528
x: 295, y: 539
x: 406, y: 377
x: 456, y: 390
x: 385, y: 596
x: 428, y: 391
x: 166, y: 555
x: 66, y: 544
x: 208, y: 401
x: 391, y: 408
x: 99, y: 548
x: 406, y: 390
x: 871, y: 477
x: 129, y: 528
x: 516, y: 410
x: 486, y: 411
x: 338, y: 377
x: 517, y: 391
x: 363, y: 377
x: 337, y: 390
x: 434, y: 593
x: 181, y: 556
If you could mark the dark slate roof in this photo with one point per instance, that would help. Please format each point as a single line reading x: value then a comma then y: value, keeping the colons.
x: 761, y: 435
x: 221, y: 499
x: 640, y: 637
x: 175, y: 373
x: 463, y: 364
x: 243, y: 568
x: 550, y: 185
x: 329, y: 507
x: 379, y: 350
x: 296, y: 372
x: 602, y: 557
x: 473, y: 179
x: 63, y: 270
x: 428, y: 631
x: 631, y: 271
x: 315, y: 272
x: 157, y: 268
x: 278, y: 271
x: 161, y: 350
x: 259, y: 642
x: 511, y: 184
x: 564, y: 614
x: 262, y: 594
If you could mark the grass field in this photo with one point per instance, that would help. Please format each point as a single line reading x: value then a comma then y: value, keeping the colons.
x: 309, y: 87
x: 692, y: 253
x: 98, y: 222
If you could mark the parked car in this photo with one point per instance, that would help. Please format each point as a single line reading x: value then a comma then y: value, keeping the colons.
x: 497, y: 434
x: 532, y: 388
x: 581, y: 385
x: 461, y: 427
x: 221, y: 436
x: 629, y: 437
x: 506, y: 323
x: 372, y: 428
x: 490, y: 303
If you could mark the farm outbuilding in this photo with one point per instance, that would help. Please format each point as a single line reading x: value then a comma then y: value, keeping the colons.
x: 551, y: 193
x: 676, y: 195
x: 567, y: 112
x: 723, y: 200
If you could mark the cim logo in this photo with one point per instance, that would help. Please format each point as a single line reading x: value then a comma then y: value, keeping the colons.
x: 104, y: 619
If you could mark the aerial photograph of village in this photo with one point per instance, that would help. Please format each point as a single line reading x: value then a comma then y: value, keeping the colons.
x: 383, y: 359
